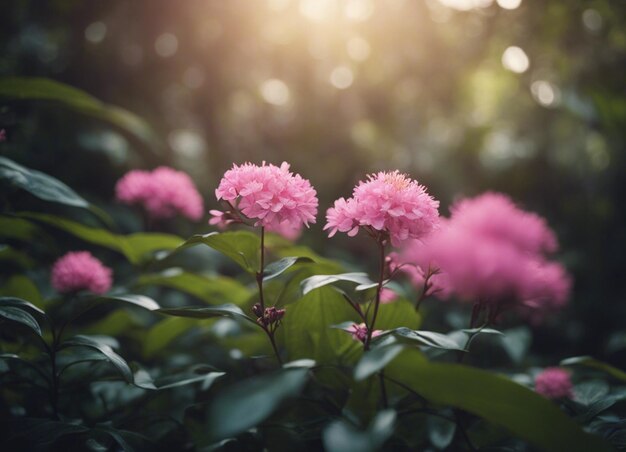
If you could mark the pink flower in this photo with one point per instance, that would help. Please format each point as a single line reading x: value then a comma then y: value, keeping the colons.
x: 495, y: 215
x: 359, y: 332
x: 554, y: 383
x: 276, y: 198
x: 388, y: 202
x: 481, y: 259
x: 388, y: 296
x: 79, y: 270
x: 164, y: 193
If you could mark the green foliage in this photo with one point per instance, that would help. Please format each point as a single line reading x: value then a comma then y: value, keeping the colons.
x: 241, y: 246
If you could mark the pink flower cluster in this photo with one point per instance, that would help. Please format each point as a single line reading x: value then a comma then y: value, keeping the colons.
x: 491, y: 251
x: 359, y: 332
x: 388, y: 202
x: 163, y: 193
x: 79, y: 270
x: 554, y: 383
x: 277, y: 199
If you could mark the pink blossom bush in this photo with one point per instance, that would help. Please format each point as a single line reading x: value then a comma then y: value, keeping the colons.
x: 271, y: 196
x: 493, y: 253
x: 79, y: 270
x: 163, y: 193
x: 554, y: 383
x: 387, y: 202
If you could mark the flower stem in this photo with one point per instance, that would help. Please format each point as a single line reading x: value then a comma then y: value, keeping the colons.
x: 379, y: 288
x: 54, y: 381
x: 259, y: 281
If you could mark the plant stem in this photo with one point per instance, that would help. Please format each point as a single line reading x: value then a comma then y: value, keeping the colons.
x: 54, y: 388
x: 383, y: 389
x: 259, y: 281
x: 379, y: 288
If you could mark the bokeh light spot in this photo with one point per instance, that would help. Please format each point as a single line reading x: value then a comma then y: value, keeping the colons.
x: 359, y: 10
x: 358, y: 48
x: 96, y: 32
x: 509, y: 4
x: 275, y: 91
x: 592, y: 20
x: 515, y: 60
x: 545, y: 93
x: 166, y: 45
x: 341, y: 77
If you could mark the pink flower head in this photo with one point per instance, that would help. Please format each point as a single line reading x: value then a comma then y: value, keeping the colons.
x: 276, y: 198
x: 388, y: 296
x: 496, y: 216
x: 164, y: 193
x: 79, y: 270
x: 389, y: 202
x: 479, y: 259
x: 359, y: 332
x: 554, y: 383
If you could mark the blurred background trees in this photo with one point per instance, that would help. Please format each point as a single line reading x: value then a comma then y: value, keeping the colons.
x: 524, y: 97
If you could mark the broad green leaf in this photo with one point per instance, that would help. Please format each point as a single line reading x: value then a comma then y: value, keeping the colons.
x: 142, y: 379
x: 41, y: 89
x: 495, y: 398
x: 38, y: 184
x: 589, y: 392
x: 317, y: 281
x: 20, y: 286
x: 399, y: 313
x: 588, y: 361
x: 165, y: 331
x: 248, y: 403
x: 92, y: 343
x: 201, y: 312
x: 279, y: 267
x: 36, y: 434
x: 16, y: 258
x: 18, y: 228
x: 305, y: 331
x: 17, y: 315
x: 22, y: 304
x: 243, y: 247
x: 340, y: 436
x: 213, y: 290
x: 376, y: 359
x: 428, y: 338
x: 134, y: 246
x: 129, y: 299
x: 440, y: 431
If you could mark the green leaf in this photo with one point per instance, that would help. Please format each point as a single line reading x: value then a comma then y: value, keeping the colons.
x: 165, y: 331
x: 376, y: 359
x: 38, y: 184
x: 243, y: 247
x: 142, y: 379
x: 90, y: 342
x: 440, y: 431
x: 305, y: 331
x: 22, y: 304
x: 317, y: 281
x: 18, y: 228
x: 340, y: 436
x: 279, y: 267
x: 14, y: 314
x: 131, y: 299
x: 428, y: 338
x: 41, y: 89
x: 20, y: 286
x: 201, y: 312
x: 213, y: 290
x: 497, y: 399
x: 400, y: 313
x: 134, y: 246
x: 36, y: 434
x: 590, y: 392
x: 248, y: 403
x: 588, y: 361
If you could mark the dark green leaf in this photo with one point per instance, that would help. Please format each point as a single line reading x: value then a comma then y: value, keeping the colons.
x: 440, y: 431
x: 340, y: 436
x: 317, y: 281
x: 143, y: 380
x: 36, y: 434
x: 588, y: 361
x: 41, y: 89
x: 243, y: 247
x: 15, y: 314
x: 22, y: 304
x: 213, y: 290
x: 495, y: 398
x: 376, y: 359
x: 38, y: 184
x: 428, y: 338
x: 131, y: 299
x: 277, y: 268
x: 248, y: 403
x: 590, y: 392
x: 165, y: 331
x: 94, y: 343
x: 201, y: 312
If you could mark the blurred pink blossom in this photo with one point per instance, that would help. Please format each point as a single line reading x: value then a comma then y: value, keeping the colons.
x: 164, y: 193
x: 554, y: 383
x: 389, y: 202
x: 3, y: 135
x: 388, y: 296
x: 79, y: 270
x: 490, y: 252
x: 276, y: 198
